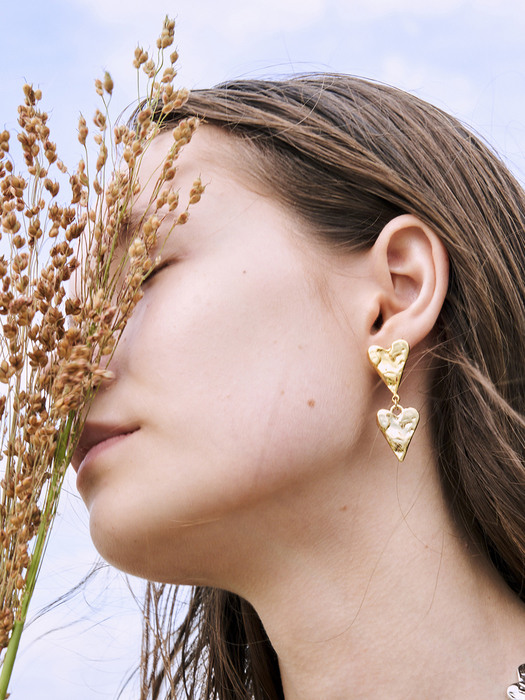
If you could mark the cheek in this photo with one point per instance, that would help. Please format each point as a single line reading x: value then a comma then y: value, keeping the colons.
x: 243, y: 391
x: 248, y: 377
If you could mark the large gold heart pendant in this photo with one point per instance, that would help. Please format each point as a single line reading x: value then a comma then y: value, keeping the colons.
x: 390, y: 362
x: 398, y: 428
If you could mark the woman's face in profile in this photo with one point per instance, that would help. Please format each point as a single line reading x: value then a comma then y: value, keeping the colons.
x: 235, y: 388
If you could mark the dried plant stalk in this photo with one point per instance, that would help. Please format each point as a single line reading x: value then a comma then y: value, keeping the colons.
x: 55, y: 348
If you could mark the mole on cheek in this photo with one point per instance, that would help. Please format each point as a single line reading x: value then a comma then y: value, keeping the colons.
x: 311, y: 403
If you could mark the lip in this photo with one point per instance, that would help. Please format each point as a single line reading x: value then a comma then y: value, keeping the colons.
x: 97, y: 437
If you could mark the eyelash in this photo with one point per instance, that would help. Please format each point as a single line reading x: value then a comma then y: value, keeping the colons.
x: 156, y: 269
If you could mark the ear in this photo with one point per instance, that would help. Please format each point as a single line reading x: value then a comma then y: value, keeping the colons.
x: 410, y: 270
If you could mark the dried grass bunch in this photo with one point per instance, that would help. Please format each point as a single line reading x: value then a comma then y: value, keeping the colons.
x: 55, y: 348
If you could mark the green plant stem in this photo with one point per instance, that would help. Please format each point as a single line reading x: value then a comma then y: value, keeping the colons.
x: 37, y: 556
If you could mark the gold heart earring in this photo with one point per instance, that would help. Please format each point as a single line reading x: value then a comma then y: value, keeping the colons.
x: 397, y: 424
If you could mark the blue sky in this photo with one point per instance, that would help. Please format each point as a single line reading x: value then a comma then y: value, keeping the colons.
x: 464, y: 56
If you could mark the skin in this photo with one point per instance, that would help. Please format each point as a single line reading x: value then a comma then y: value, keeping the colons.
x: 253, y: 460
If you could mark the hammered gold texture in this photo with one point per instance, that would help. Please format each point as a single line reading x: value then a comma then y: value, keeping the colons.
x: 390, y: 362
x: 398, y: 428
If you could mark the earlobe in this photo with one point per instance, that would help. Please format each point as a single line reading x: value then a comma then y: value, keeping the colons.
x: 410, y: 265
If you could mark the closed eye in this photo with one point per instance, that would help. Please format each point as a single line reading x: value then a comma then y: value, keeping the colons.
x: 162, y: 265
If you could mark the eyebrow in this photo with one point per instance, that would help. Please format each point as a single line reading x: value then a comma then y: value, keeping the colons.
x: 129, y: 224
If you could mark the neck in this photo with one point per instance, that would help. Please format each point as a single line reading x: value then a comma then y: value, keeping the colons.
x: 383, y: 597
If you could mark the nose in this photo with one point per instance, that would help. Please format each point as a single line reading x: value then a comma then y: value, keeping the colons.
x: 115, y: 324
x: 90, y: 338
x: 102, y: 317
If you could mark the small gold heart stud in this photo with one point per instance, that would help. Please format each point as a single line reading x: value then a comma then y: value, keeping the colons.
x: 390, y: 362
x: 398, y: 428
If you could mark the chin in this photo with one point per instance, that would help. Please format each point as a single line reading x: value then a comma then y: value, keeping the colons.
x: 117, y: 551
x: 171, y: 558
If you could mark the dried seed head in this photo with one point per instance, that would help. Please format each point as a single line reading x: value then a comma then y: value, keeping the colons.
x: 144, y: 115
x: 167, y: 34
x: 18, y: 242
x: 20, y: 262
x: 99, y: 120
x: 108, y: 83
x: 82, y: 130
x: 52, y: 187
x: 151, y: 225
x: 4, y: 141
x: 6, y: 372
x: 162, y: 199
x: 129, y: 157
x: 149, y: 68
x: 10, y: 223
x: 65, y: 362
x: 173, y: 200
x: 196, y: 191
x: 50, y: 151
x: 137, y: 249
x: 102, y: 157
x: 168, y: 75
x: 141, y: 57
x: 30, y: 95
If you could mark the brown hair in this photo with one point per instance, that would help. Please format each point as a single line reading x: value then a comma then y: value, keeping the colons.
x: 348, y: 155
